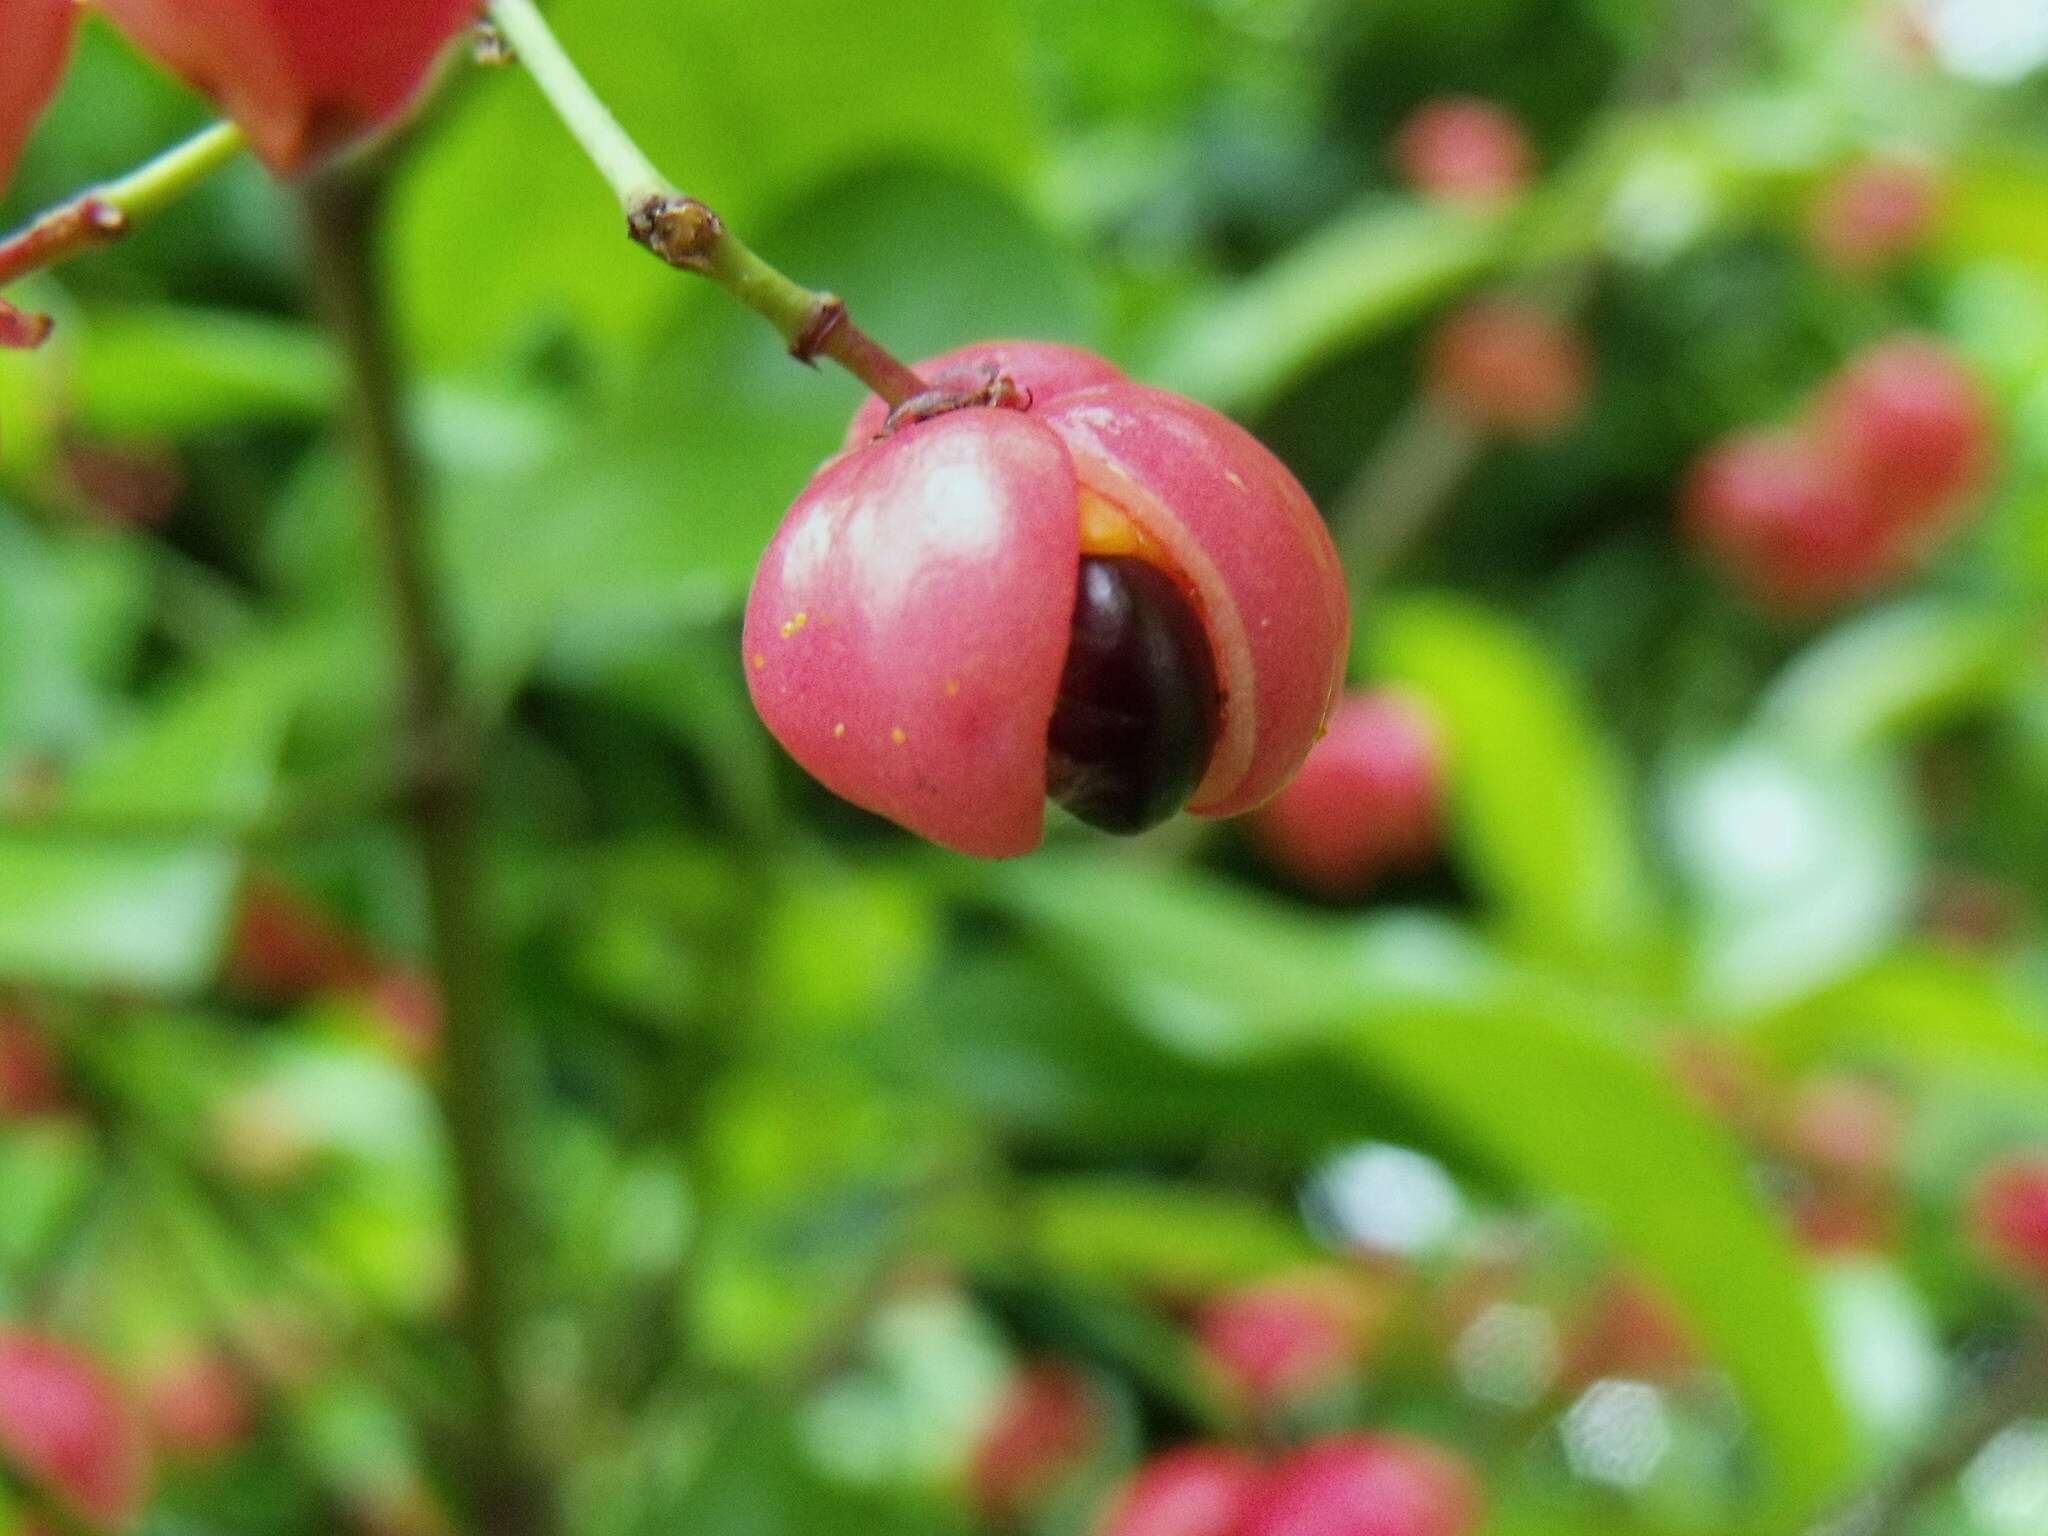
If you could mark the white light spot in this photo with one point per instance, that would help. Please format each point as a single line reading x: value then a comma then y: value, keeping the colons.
x: 1508, y: 1355
x: 1616, y: 1433
x: 2006, y: 1485
x: 1999, y: 41
x: 1385, y: 1198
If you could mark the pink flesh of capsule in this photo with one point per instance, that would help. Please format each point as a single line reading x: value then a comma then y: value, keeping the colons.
x: 908, y: 625
x: 1238, y: 528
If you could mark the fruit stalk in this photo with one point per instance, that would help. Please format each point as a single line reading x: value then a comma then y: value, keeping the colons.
x: 103, y: 214
x: 686, y: 233
x: 510, y: 1493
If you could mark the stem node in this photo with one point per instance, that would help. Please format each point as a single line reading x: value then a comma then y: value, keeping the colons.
x: 680, y: 230
x: 826, y: 316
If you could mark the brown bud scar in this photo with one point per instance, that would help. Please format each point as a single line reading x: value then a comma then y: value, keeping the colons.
x: 995, y: 389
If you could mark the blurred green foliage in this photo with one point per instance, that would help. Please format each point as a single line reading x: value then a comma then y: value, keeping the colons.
x: 831, y: 1129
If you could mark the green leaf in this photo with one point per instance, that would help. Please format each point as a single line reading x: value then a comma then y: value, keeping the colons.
x: 1361, y: 276
x: 1904, y: 668
x: 71, y: 616
x: 1222, y: 973
x: 499, y: 219
x: 173, y: 372
x: 146, y: 908
x: 1926, y: 1007
x: 1511, y: 1069
x: 1159, y: 1238
x: 1541, y: 810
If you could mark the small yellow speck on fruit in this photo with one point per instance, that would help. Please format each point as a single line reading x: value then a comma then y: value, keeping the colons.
x: 1234, y: 478
x: 839, y: 729
x: 897, y: 736
x: 952, y: 687
x: 760, y: 660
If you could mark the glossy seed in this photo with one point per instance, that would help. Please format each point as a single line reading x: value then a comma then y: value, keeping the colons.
x: 1139, y: 709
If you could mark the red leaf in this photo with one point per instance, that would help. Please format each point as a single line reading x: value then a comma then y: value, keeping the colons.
x: 302, y: 77
x: 37, y: 37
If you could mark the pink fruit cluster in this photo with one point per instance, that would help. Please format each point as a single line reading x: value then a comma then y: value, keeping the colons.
x: 1044, y: 577
x: 1345, y: 1485
x: 1884, y: 464
x: 1463, y: 150
x: 1368, y: 801
x: 67, y: 1429
x: 1509, y: 367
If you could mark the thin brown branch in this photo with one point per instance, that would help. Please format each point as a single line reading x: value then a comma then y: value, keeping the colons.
x: 510, y: 1494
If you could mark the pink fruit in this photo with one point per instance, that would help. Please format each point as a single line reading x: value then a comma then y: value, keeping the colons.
x: 1510, y: 367
x: 1626, y: 1329
x: 1872, y: 214
x: 1368, y: 800
x: 38, y: 34
x: 65, y: 1426
x: 1367, y: 1485
x: 1911, y: 429
x: 1844, y: 1128
x: 1195, y: 1490
x: 1281, y: 1340
x: 31, y: 1077
x: 1094, y: 589
x: 283, y: 947
x: 1787, y: 522
x: 1046, y: 1424
x: 2009, y: 1215
x: 303, y: 77
x: 198, y: 1405
x: 1464, y: 150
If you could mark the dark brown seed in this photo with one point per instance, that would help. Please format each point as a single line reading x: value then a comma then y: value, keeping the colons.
x: 1139, y: 710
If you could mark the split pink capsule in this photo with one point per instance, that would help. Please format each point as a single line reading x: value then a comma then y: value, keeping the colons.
x: 909, y: 622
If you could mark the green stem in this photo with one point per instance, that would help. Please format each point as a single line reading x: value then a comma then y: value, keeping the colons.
x: 511, y: 1495
x: 622, y: 163
x: 102, y: 214
x: 685, y: 232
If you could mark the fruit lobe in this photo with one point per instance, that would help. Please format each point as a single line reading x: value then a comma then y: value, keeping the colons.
x: 38, y: 40
x: 1367, y: 1485
x: 1195, y: 1490
x: 64, y: 1425
x: 302, y: 77
x: 910, y: 621
x: 1368, y: 800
